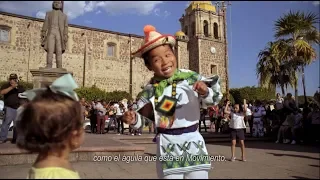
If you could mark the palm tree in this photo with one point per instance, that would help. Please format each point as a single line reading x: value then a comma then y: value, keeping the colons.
x: 271, y: 71
x: 299, y: 33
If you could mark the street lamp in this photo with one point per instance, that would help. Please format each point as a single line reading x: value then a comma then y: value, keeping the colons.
x: 29, y: 56
x: 130, y: 62
x: 223, y: 5
x: 84, y: 60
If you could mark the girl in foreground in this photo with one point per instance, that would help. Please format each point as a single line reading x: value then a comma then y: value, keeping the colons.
x: 174, y: 96
x: 51, y: 125
x: 237, y: 126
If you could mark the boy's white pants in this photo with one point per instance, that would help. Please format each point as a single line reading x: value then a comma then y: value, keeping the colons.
x: 190, y: 175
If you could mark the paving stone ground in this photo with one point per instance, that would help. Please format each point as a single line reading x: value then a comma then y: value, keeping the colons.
x: 264, y: 160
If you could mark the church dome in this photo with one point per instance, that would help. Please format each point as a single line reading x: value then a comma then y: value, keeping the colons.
x: 179, y: 33
x: 204, y: 5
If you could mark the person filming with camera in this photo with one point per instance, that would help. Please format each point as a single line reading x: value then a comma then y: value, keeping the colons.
x: 10, y: 92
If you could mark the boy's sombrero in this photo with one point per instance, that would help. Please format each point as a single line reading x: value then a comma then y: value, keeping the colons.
x: 153, y: 39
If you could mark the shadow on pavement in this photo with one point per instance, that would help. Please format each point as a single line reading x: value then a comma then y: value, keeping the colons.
x: 273, y: 146
x: 293, y: 155
x: 312, y: 165
x: 299, y: 177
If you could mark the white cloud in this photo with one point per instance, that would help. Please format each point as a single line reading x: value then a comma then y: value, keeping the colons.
x: 159, y: 13
x: 156, y: 11
x: 75, y: 9
x: 119, y: 7
x: 41, y: 15
x: 166, y: 14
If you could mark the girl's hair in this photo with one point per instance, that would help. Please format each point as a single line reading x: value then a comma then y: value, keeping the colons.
x: 240, y: 107
x: 145, y: 56
x: 48, y: 121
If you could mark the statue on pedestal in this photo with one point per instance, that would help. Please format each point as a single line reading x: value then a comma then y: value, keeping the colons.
x: 54, y: 34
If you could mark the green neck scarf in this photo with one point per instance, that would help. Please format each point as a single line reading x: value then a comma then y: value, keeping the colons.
x: 177, y: 76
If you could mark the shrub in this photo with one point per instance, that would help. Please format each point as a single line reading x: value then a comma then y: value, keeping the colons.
x: 251, y: 94
x: 94, y: 93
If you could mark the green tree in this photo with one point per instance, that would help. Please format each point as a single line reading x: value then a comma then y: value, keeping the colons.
x: 271, y: 71
x: 296, y: 33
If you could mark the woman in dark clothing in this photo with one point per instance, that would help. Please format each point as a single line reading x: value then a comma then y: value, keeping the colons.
x: 93, y: 120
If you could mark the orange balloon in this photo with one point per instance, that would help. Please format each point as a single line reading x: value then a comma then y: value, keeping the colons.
x: 148, y: 28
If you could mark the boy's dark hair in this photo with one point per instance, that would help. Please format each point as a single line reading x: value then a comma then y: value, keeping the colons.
x: 145, y: 56
x: 48, y: 121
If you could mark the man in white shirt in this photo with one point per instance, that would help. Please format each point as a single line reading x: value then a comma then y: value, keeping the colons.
x: 118, y: 117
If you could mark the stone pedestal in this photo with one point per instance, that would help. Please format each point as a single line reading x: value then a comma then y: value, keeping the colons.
x: 43, y: 77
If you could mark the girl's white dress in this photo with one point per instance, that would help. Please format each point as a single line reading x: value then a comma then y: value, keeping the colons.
x: 187, y: 152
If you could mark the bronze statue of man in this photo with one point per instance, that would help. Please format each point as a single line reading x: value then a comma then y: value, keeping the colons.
x: 54, y: 34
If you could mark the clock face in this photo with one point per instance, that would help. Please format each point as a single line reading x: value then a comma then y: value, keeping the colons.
x: 213, y: 50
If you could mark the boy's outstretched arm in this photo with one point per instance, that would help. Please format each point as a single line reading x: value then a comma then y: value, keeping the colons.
x: 214, y: 95
x: 143, y: 115
x: 144, y: 111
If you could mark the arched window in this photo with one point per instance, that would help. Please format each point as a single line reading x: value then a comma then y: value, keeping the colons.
x: 186, y: 30
x: 205, y: 28
x: 111, y: 49
x: 215, y: 31
x: 4, y: 34
x: 214, y: 69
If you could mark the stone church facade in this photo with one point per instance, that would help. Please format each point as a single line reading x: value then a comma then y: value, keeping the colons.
x: 102, y: 58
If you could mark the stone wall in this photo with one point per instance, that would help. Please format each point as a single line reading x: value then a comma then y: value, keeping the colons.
x: 24, y: 52
x: 193, y: 48
x: 207, y: 59
x: 182, y: 54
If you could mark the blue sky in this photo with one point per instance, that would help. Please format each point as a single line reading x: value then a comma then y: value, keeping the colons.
x: 250, y: 26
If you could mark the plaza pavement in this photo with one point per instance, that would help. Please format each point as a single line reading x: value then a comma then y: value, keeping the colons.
x: 264, y: 160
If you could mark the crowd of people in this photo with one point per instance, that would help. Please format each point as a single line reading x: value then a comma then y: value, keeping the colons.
x: 280, y: 119
x: 98, y: 111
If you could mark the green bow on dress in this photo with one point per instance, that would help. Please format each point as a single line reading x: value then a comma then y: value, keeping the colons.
x: 177, y: 76
x: 64, y: 85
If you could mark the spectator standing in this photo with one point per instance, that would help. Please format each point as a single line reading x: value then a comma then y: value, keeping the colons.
x: 93, y: 118
x: 224, y: 123
x: 101, y: 112
x: 10, y: 91
x: 119, y: 114
x: 23, y: 102
x: 214, y: 118
x: 203, y: 113
x: 258, y: 115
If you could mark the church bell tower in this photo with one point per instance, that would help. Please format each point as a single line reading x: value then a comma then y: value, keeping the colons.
x: 204, y: 26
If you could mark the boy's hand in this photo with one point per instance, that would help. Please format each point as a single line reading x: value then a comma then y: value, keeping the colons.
x: 129, y: 117
x: 201, y: 88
